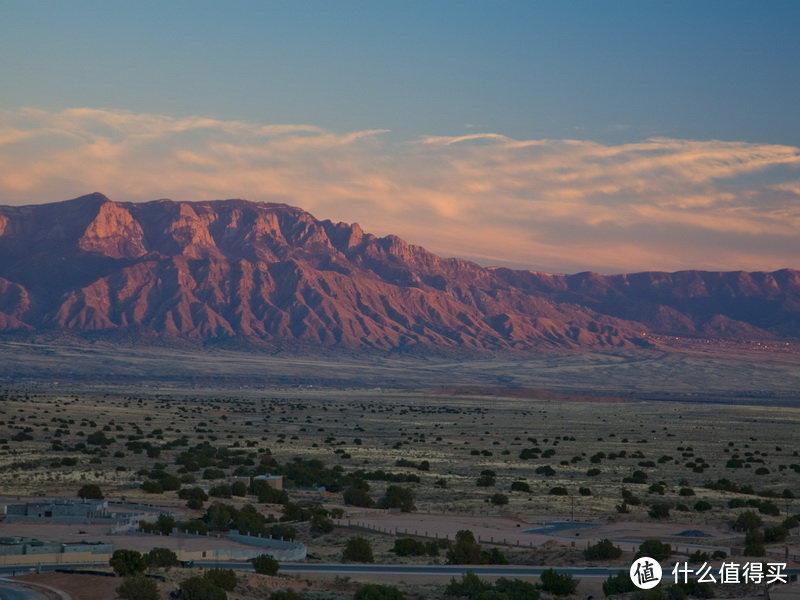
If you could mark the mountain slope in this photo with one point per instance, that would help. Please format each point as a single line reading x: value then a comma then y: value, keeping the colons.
x: 273, y: 273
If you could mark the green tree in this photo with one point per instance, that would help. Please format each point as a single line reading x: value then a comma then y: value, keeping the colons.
x: 358, y: 549
x: 374, y: 591
x: 754, y: 543
x: 161, y: 558
x: 90, y: 491
x: 398, y: 497
x: 127, y: 562
x: 654, y: 549
x: 558, y: 584
x: 602, y: 550
x: 200, y: 588
x: 465, y: 550
x: 356, y: 496
x: 618, y: 584
x: 747, y: 521
x: 222, y: 578
x: 138, y: 587
x: 469, y: 586
x: 265, y: 564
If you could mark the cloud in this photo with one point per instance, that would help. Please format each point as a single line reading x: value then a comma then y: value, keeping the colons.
x: 558, y: 205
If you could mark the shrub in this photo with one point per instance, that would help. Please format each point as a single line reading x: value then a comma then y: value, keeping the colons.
x: 754, y: 543
x: 127, y: 562
x: 90, y: 491
x: 602, y: 550
x: 265, y: 564
x: 654, y: 549
x: 747, y: 521
x: 374, y: 591
x: 499, y: 499
x: 558, y: 491
x: 702, y: 506
x: 358, y: 497
x: 358, y: 549
x: 222, y: 578
x: 398, y: 497
x: 161, y: 558
x: 659, y: 511
x: 558, y: 584
x: 777, y: 533
x: 470, y: 586
x: 465, y: 550
x: 138, y: 587
x: 200, y: 588
x: 520, y: 486
x: 618, y: 584
x: 409, y: 547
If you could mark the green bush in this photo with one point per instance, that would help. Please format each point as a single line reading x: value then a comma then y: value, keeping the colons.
x: 127, y: 562
x: 409, y: 547
x: 161, y: 558
x: 358, y: 549
x: 558, y: 584
x: 654, y: 549
x: 138, y: 587
x: 90, y: 491
x: 222, y: 578
x: 200, y: 588
x: 374, y: 591
x: 618, y: 584
x: 602, y: 550
x: 265, y: 564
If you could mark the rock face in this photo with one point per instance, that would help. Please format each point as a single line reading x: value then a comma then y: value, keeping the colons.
x: 272, y: 273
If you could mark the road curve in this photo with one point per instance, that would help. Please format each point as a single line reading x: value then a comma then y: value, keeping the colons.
x: 14, y: 591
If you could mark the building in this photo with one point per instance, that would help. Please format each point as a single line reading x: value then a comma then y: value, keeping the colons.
x: 60, y: 511
x: 273, y: 481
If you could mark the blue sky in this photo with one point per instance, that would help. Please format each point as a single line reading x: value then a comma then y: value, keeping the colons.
x: 608, y: 71
x: 616, y: 135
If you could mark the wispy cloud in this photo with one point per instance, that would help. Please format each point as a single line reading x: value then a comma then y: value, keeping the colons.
x: 559, y: 205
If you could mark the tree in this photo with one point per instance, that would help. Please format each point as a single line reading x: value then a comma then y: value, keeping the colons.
x: 265, y: 564
x: 138, y: 587
x: 200, y: 588
x: 374, y: 591
x: 127, y: 562
x: 659, y: 511
x: 655, y: 550
x: 469, y: 586
x: 222, y: 578
x: 409, y: 547
x: 754, y: 543
x: 90, y: 491
x: 355, y: 496
x: 398, y: 497
x: 321, y: 524
x: 747, y: 521
x: 602, y: 550
x: 161, y: 558
x: 620, y: 583
x: 499, y: 499
x: 465, y: 551
x: 165, y: 523
x: 558, y: 584
x: 358, y: 549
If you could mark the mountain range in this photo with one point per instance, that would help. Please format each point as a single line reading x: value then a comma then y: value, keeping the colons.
x: 273, y: 274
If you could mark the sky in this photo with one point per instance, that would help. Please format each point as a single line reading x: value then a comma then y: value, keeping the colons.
x: 560, y: 136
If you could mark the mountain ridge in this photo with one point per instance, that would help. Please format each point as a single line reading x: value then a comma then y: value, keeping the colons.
x: 272, y: 273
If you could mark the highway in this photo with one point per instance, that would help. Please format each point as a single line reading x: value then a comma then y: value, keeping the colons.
x: 518, y: 571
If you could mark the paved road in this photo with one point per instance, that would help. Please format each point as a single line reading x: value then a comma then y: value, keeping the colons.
x: 12, y: 591
x: 404, y: 570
